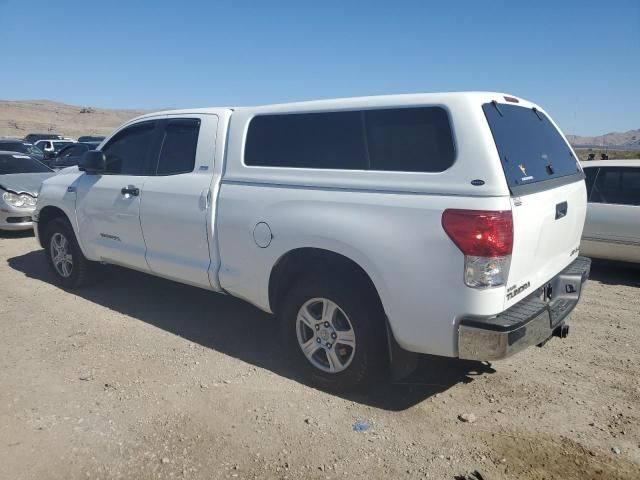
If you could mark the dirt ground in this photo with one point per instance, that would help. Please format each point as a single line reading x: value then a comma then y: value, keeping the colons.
x: 138, y: 377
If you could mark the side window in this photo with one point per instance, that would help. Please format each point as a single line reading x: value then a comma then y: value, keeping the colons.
x: 591, y: 174
x: 617, y: 185
x: 127, y: 153
x: 409, y: 139
x: 631, y: 186
x: 71, y: 151
x: 179, y: 143
x: 606, y: 186
x: 392, y: 140
x: 308, y: 140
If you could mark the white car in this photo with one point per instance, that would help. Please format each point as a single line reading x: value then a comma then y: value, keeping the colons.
x: 375, y: 228
x: 612, y: 228
x: 52, y: 146
x: 20, y: 179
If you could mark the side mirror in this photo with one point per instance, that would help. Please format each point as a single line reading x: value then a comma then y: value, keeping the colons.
x: 93, y: 161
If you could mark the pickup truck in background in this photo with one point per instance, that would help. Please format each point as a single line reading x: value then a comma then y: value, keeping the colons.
x: 374, y: 228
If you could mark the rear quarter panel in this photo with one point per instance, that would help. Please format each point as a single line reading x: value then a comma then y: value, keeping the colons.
x: 396, y: 238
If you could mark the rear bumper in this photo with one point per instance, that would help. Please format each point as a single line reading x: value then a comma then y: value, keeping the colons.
x: 530, y: 322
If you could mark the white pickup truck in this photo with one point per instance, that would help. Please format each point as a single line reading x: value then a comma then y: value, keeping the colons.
x: 445, y: 224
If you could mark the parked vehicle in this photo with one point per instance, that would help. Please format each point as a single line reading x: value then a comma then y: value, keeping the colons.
x: 91, y: 138
x: 34, y: 137
x: 20, y: 179
x: 51, y: 147
x: 71, y: 154
x: 375, y: 228
x: 612, y: 228
x: 21, y: 147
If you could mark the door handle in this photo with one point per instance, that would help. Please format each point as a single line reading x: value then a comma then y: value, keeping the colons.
x: 130, y: 190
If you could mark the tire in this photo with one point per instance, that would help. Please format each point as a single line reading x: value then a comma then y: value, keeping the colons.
x: 74, y: 271
x: 354, y: 367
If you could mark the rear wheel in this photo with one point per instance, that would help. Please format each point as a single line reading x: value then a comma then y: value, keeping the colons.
x: 334, y: 330
x: 67, y: 261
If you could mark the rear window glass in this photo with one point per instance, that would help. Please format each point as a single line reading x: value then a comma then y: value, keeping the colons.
x: 531, y: 148
x: 14, y: 147
x: 20, y: 164
x: 403, y: 140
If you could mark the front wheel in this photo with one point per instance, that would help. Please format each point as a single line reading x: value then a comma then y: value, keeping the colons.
x: 64, y: 256
x: 334, y: 330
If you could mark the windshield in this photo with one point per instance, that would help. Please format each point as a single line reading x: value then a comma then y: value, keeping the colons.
x: 531, y: 148
x: 14, y: 147
x: 21, y: 164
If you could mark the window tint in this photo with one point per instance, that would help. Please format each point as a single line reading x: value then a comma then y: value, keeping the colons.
x: 310, y: 140
x: 178, y: 151
x: 590, y: 174
x: 65, y: 152
x: 128, y: 152
x: 531, y: 148
x: 617, y: 185
x: 14, y: 147
x: 20, y: 164
x: 409, y: 139
x: 57, y: 146
x: 72, y: 151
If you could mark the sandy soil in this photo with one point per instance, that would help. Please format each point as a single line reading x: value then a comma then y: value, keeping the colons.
x: 19, y: 118
x: 138, y: 377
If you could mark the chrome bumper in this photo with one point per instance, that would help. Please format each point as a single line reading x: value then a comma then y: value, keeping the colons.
x: 530, y: 322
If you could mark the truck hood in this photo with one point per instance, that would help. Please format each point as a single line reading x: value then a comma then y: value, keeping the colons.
x: 24, y: 182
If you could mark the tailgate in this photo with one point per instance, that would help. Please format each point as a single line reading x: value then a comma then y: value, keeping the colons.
x: 547, y: 228
x: 548, y: 194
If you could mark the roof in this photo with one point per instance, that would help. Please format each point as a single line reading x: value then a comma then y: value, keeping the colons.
x: 349, y: 103
x: 611, y: 163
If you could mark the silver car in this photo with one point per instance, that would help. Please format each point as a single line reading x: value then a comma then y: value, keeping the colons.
x: 20, y: 180
x: 612, y: 227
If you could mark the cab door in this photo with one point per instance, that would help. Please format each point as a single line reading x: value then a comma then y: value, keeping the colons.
x: 176, y: 208
x: 108, y: 204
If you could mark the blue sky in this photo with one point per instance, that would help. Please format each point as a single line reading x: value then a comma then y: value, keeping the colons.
x: 580, y: 60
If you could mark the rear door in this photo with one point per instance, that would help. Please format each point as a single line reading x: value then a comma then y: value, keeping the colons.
x: 176, y: 203
x: 613, y: 218
x: 548, y: 195
x: 108, y: 204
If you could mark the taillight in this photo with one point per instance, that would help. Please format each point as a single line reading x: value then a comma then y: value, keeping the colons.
x: 486, y: 240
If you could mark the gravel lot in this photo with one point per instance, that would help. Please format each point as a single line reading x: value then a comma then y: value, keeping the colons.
x: 138, y: 377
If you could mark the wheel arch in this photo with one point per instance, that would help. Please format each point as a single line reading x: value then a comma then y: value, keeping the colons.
x: 46, y: 215
x: 292, y: 264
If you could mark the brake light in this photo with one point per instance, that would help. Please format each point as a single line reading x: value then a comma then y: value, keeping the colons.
x: 486, y: 240
x: 479, y: 232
